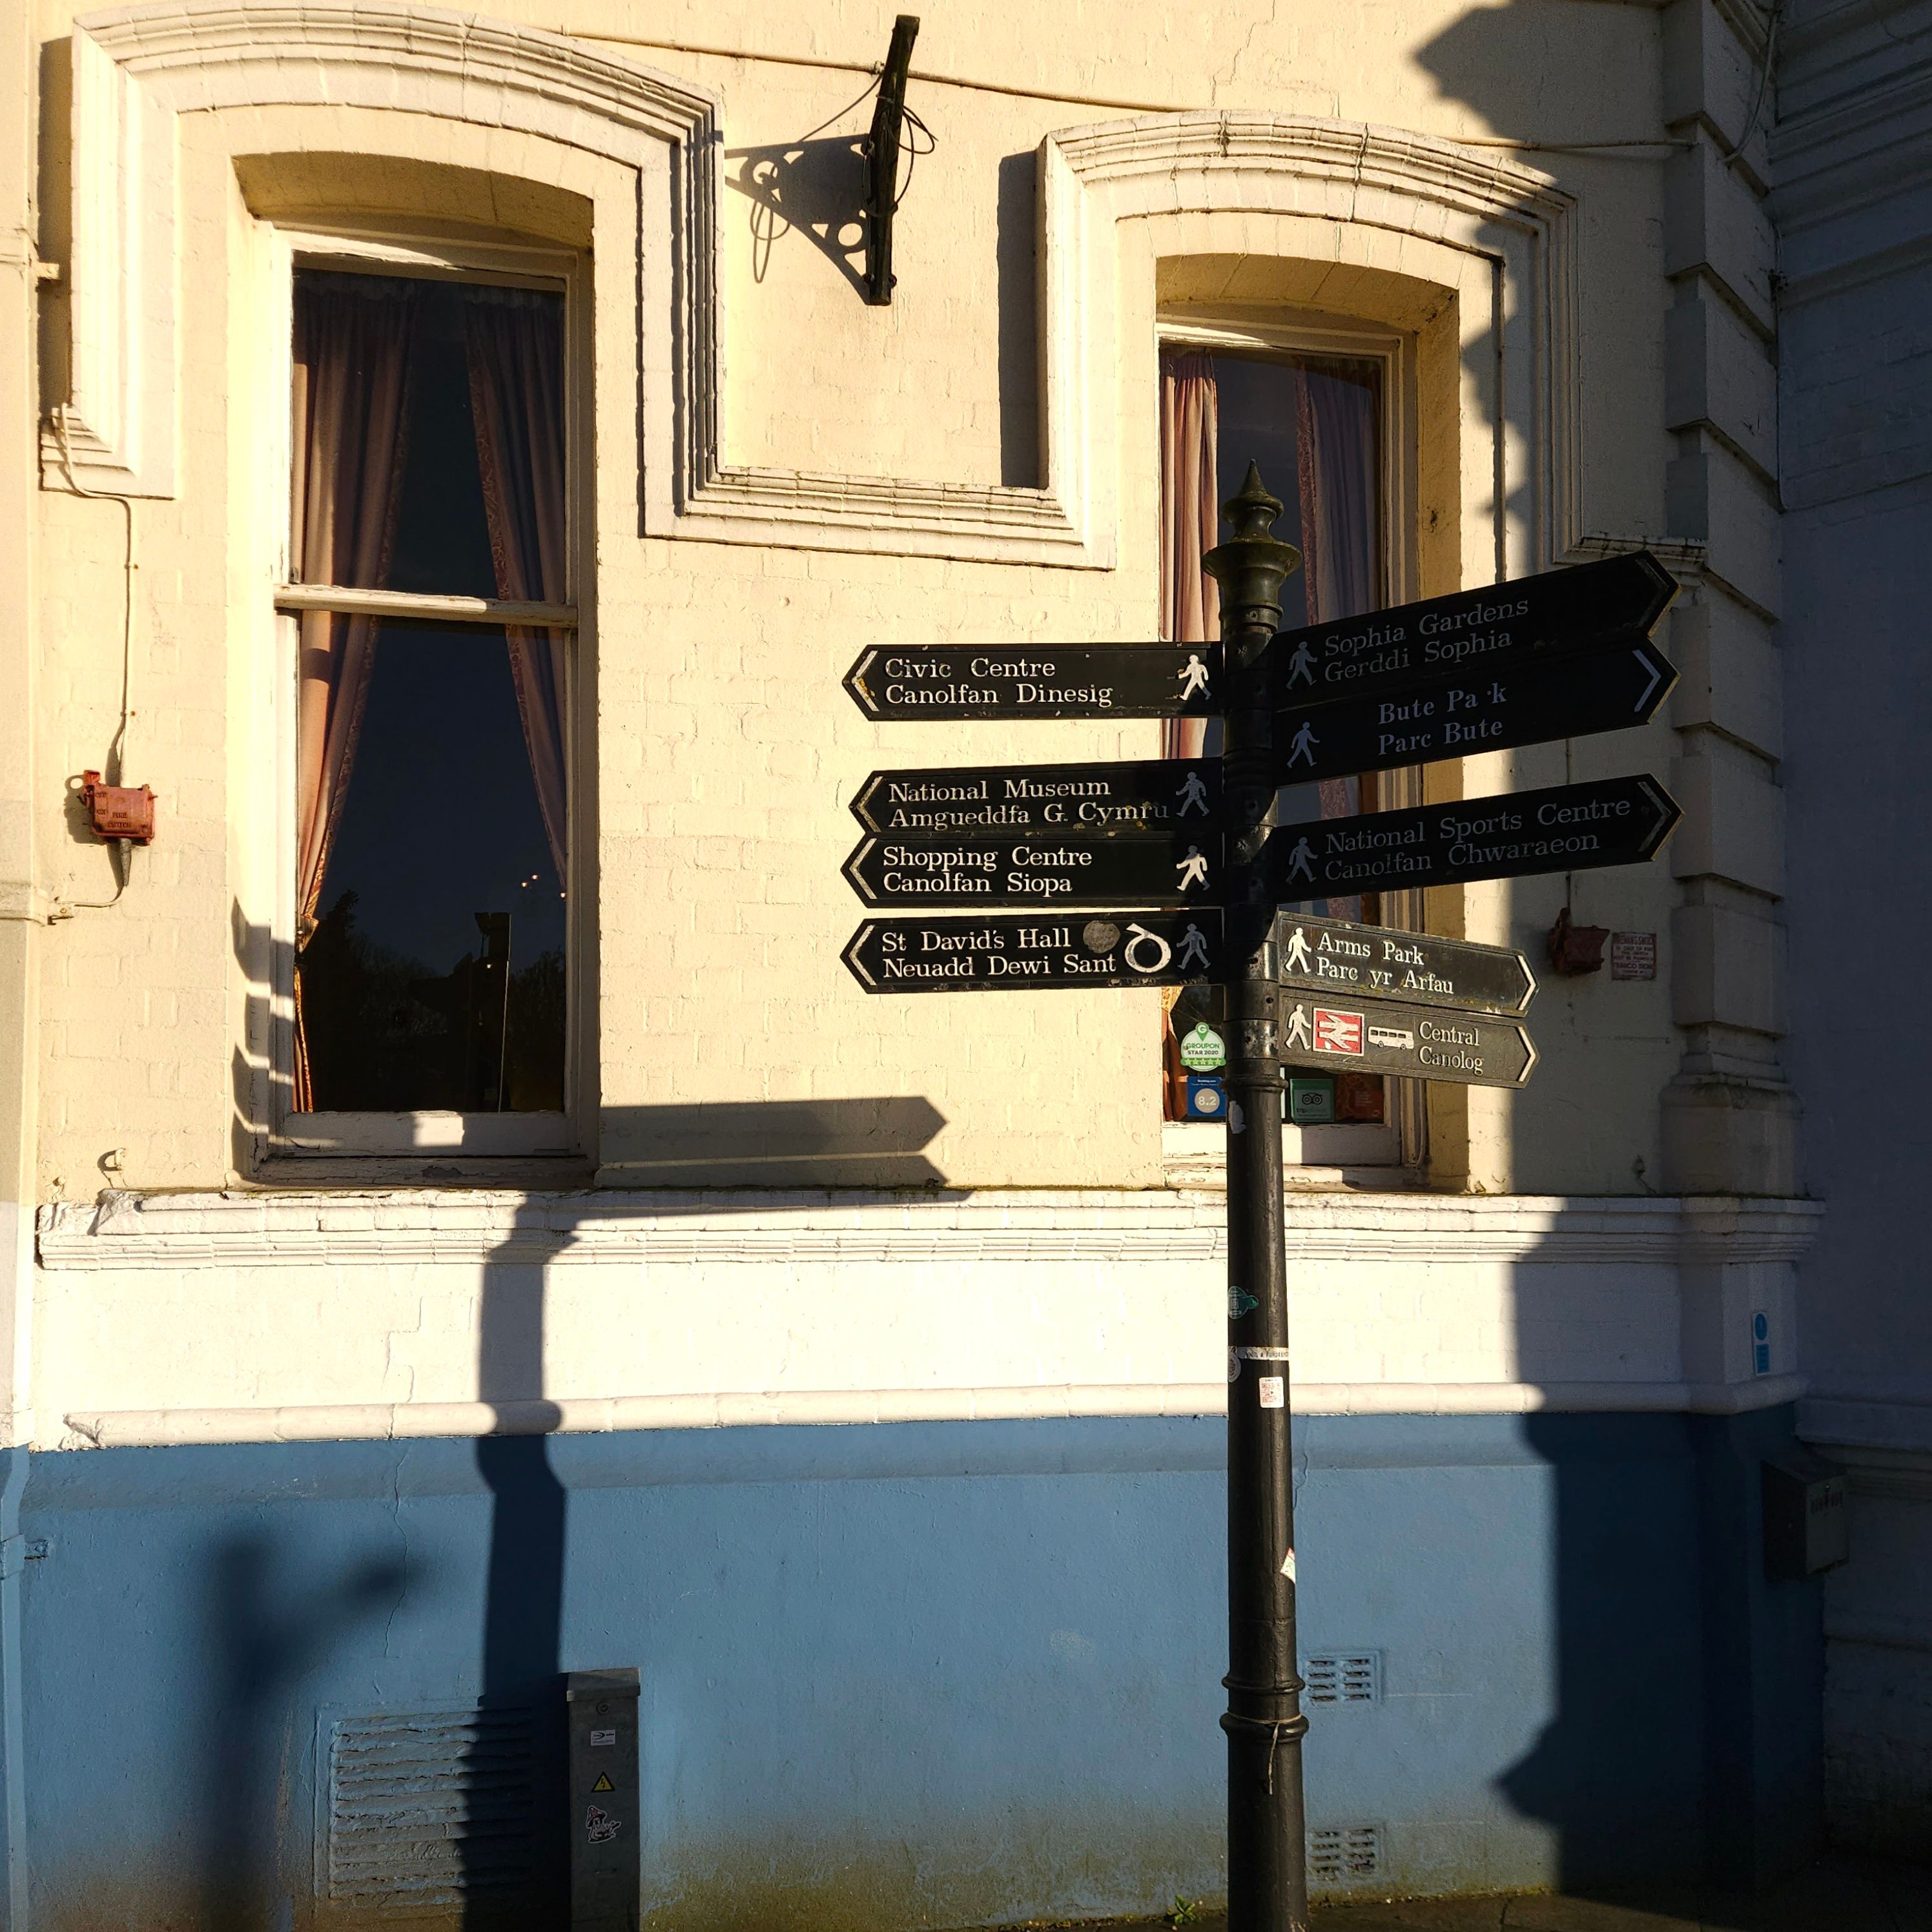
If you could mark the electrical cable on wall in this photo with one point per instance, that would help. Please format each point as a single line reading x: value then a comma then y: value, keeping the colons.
x: 115, y: 763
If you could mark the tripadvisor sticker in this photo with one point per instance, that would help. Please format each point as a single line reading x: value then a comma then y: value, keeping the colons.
x: 1203, y: 1050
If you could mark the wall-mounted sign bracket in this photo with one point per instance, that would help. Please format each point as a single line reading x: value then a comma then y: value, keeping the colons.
x: 882, y: 161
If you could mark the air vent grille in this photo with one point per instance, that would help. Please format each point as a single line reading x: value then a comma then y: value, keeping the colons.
x: 1345, y: 1854
x: 1344, y: 1677
x: 430, y: 1808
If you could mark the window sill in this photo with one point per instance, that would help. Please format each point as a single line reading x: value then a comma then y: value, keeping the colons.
x: 425, y: 1150
x: 426, y: 1136
x: 520, y: 1174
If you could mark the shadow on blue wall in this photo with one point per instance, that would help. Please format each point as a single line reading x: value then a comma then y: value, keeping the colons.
x: 1687, y: 1742
x: 523, y: 1606
x: 269, y: 1630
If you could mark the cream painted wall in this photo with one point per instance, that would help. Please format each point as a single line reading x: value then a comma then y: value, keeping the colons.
x: 725, y: 748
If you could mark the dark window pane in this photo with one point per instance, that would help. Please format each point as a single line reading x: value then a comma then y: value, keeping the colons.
x: 440, y: 893
x: 386, y: 429
x: 443, y: 536
x: 1254, y: 422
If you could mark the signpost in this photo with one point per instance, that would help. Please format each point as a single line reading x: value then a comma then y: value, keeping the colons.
x: 1548, y: 698
x: 1037, y: 868
x: 990, y: 954
x: 1192, y: 843
x: 1512, y: 835
x: 1501, y: 628
x: 1151, y: 795
x: 1332, y: 956
x: 927, y: 681
x: 1427, y: 1042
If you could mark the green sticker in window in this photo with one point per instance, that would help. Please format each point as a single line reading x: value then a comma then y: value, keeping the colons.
x: 1203, y: 1049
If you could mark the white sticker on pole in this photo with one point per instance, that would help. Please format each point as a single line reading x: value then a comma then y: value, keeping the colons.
x: 1273, y: 1391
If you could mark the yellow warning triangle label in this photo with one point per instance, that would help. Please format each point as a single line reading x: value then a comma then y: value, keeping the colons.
x: 603, y: 1782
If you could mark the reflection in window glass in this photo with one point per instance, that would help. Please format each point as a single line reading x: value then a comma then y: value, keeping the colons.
x: 433, y: 976
x: 433, y: 758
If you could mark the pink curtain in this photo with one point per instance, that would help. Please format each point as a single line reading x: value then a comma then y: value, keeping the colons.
x: 516, y: 391
x: 1190, y: 600
x: 352, y: 366
x: 1337, y: 478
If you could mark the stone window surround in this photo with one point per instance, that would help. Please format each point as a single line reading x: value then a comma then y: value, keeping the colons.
x: 1501, y: 235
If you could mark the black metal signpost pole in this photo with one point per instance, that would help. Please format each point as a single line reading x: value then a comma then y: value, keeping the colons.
x: 1267, y: 1878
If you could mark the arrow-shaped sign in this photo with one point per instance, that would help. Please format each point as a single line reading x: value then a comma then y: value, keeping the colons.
x: 1348, y: 1033
x: 1149, y: 795
x: 1473, y: 632
x: 951, y: 681
x: 1335, y: 958
x: 1567, y: 829
x: 1574, y: 696
x: 1042, y: 870
x: 1035, y: 953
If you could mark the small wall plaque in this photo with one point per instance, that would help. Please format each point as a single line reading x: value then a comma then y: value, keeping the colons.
x: 1633, y: 955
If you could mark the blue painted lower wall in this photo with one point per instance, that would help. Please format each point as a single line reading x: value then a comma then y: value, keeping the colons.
x: 939, y: 1675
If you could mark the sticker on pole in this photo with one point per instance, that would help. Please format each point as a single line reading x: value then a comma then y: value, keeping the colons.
x: 1203, y: 1050
x: 1273, y: 1391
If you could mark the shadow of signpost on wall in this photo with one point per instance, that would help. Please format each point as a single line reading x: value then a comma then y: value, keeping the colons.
x: 809, y: 1148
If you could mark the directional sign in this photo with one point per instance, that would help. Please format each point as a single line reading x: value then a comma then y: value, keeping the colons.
x: 1021, y: 954
x: 1037, y: 868
x: 1152, y: 795
x: 1568, y: 828
x: 1572, y: 696
x: 1490, y: 631
x: 1348, y: 1033
x: 1334, y: 957
x: 956, y: 681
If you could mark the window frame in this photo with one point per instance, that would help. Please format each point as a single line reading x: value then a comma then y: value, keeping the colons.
x: 453, y: 1139
x: 1400, y: 1142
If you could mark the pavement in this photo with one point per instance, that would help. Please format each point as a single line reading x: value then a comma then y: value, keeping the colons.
x: 1835, y: 1896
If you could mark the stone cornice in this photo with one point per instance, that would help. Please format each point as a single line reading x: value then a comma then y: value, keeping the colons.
x: 112, y: 1429
x: 463, y: 1228
x: 1370, y: 159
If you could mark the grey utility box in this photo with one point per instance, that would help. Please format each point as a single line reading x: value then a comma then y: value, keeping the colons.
x: 606, y: 1859
x: 1804, y: 1529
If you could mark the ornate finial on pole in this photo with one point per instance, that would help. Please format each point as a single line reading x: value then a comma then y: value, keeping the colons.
x: 1251, y: 566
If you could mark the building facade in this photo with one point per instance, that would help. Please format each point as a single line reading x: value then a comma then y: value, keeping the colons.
x: 468, y: 1225
x: 1856, y: 401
